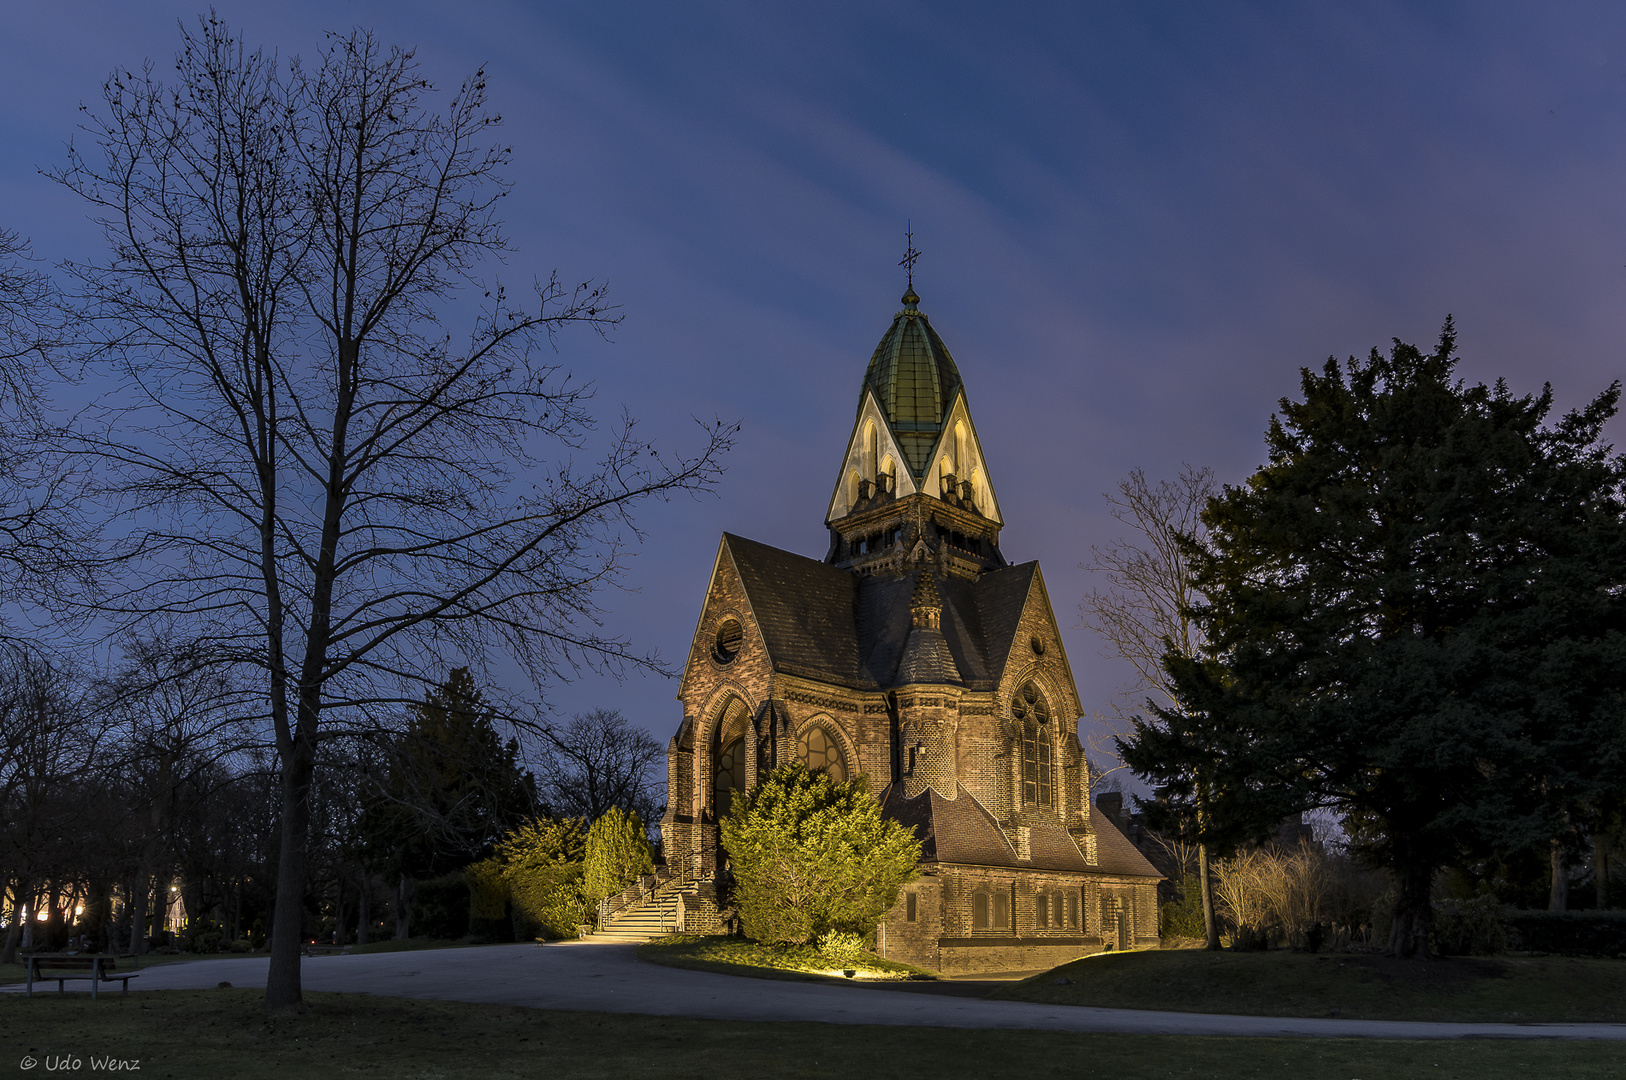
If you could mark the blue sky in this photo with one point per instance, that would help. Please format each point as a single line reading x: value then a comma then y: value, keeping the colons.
x: 1139, y: 221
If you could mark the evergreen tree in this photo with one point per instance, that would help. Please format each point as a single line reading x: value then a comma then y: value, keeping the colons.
x: 1414, y: 614
x: 618, y: 853
x: 451, y: 787
x: 811, y: 855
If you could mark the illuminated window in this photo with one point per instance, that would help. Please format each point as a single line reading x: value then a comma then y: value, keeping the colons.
x: 730, y: 776
x: 819, y: 752
x: 1032, y: 713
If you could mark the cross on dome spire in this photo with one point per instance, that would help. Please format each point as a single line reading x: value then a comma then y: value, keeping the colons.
x: 909, y: 255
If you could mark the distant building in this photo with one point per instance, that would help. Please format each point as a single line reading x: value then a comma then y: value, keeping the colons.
x: 915, y: 655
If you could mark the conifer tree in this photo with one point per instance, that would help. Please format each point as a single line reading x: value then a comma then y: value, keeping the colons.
x: 618, y: 852
x: 811, y: 855
x: 1414, y: 615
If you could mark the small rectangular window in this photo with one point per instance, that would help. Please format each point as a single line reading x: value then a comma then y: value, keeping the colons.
x: 909, y: 907
x: 1002, y: 910
x: 979, y: 911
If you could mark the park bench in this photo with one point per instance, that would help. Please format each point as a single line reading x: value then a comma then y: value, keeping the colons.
x: 96, y: 967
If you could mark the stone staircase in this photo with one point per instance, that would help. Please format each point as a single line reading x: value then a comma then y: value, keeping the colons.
x: 653, y: 916
x: 658, y: 904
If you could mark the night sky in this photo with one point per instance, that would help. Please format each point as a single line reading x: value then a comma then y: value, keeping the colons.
x: 1139, y: 221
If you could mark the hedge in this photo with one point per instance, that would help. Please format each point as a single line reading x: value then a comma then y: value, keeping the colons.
x: 1568, y: 933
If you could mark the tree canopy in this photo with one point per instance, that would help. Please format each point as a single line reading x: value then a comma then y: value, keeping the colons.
x: 1414, y: 615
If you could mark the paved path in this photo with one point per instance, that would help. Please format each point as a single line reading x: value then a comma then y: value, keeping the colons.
x: 608, y: 977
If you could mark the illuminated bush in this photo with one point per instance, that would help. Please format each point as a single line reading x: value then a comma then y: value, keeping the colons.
x: 618, y: 853
x: 810, y: 856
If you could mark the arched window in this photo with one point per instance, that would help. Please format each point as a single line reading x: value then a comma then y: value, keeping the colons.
x: 1041, y: 910
x: 888, y: 478
x: 979, y: 911
x: 1032, y: 715
x: 871, y: 443
x: 852, y: 488
x: 945, y: 474
x: 730, y: 776
x: 959, y: 447
x: 1002, y: 909
x: 819, y: 752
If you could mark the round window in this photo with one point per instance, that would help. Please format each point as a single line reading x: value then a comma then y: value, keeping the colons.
x: 1030, y: 705
x: 729, y: 636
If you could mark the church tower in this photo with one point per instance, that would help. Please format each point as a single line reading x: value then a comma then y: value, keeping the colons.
x: 914, y: 479
x: 915, y: 658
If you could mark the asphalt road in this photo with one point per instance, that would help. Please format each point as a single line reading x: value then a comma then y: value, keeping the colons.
x: 608, y: 977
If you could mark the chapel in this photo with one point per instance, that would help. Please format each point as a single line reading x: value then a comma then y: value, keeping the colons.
x: 914, y: 655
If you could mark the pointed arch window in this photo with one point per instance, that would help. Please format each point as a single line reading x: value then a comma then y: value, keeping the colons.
x: 820, y: 752
x: 730, y: 777
x: 1032, y: 714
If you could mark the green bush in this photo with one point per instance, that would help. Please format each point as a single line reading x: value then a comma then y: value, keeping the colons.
x: 1469, y: 927
x: 536, y: 876
x: 204, y: 936
x: 440, y: 907
x: 1569, y: 933
x: 1184, y: 917
x: 810, y: 855
x: 618, y: 853
x: 843, y: 948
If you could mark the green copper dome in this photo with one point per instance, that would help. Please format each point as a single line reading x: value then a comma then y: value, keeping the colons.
x: 915, y: 380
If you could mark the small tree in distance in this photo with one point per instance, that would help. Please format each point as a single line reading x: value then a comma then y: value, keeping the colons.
x: 618, y: 853
x: 811, y: 855
x: 1145, y: 612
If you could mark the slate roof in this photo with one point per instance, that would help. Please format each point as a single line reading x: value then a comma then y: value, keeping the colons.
x: 961, y: 830
x: 828, y: 624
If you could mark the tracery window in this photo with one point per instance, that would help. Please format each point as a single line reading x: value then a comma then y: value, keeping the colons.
x: 730, y: 776
x: 1032, y: 714
x: 818, y: 751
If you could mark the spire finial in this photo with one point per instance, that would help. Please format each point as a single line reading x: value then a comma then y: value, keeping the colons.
x: 908, y: 262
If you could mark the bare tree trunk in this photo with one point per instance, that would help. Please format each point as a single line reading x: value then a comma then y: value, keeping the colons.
x: 1414, y: 914
x: 140, y: 894
x: 1558, y: 897
x: 14, y: 930
x: 403, y: 902
x: 338, y: 909
x: 282, y: 981
x: 1600, y: 869
x: 1210, y: 923
x: 364, y: 908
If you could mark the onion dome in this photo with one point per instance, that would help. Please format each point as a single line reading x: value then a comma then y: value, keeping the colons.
x: 915, y: 381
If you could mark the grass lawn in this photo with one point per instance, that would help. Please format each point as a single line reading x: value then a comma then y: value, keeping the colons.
x: 1506, y: 989
x: 734, y: 956
x: 207, y: 1034
x: 16, y: 973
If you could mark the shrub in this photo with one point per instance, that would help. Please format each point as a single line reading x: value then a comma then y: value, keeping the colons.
x: 1469, y: 927
x: 810, y: 855
x: 1184, y: 917
x: 204, y: 936
x: 843, y: 948
x: 440, y: 907
x: 1569, y: 933
x: 490, y: 917
x: 539, y: 866
x: 618, y: 853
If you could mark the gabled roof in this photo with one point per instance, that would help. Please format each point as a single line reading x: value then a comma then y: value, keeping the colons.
x: 961, y: 830
x: 828, y: 624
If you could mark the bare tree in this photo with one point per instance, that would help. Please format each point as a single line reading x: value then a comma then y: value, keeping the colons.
x: 1144, y: 613
x: 598, y: 761
x: 322, y: 483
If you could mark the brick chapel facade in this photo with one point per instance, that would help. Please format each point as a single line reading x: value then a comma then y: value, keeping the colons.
x: 915, y: 656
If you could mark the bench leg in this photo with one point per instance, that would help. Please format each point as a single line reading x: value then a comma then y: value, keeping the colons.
x: 94, y: 985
